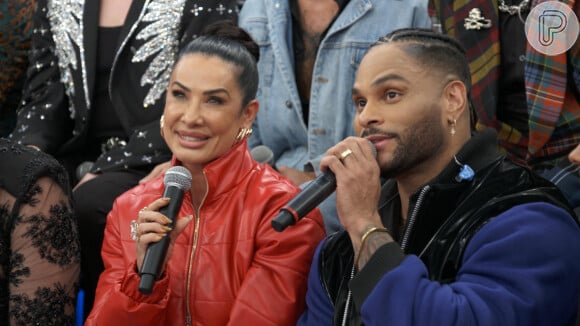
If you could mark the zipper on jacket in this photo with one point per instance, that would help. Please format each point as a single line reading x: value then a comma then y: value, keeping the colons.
x: 190, y: 267
x: 411, y: 222
x: 413, y: 217
x: 348, y: 298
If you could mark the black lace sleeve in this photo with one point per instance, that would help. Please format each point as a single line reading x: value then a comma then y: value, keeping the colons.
x: 39, y: 244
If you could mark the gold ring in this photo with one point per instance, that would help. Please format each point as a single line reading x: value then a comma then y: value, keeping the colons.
x: 135, y: 231
x: 344, y: 154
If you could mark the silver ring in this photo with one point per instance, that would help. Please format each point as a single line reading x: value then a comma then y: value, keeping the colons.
x: 135, y: 231
x: 344, y: 154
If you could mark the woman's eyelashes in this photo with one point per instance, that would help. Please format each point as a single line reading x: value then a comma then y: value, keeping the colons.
x: 215, y: 100
x: 177, y: 93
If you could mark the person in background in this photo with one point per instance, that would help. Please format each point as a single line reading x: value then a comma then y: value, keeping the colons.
x: 39, y: 241
x: 225, y: 265
x: 94, y: 94
x: 310, y: 50
x: 574, y: 158
x: 458, y: 234
x: 15, y: 31
x: 532, y: 99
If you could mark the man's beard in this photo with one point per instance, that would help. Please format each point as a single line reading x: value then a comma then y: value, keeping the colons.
x: 415, y: 145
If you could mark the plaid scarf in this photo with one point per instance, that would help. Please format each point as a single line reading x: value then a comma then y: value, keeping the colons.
x: 553, y: 109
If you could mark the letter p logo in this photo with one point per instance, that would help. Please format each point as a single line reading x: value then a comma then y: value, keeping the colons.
x: 551, y: 22
x: 552, y: 28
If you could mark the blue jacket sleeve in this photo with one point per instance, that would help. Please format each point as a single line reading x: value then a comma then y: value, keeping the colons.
x: 521, y: 268
x: 319, y: 309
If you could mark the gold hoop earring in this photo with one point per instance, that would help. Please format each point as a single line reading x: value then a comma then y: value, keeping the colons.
x: 243, y: 133
x: 453, y: 123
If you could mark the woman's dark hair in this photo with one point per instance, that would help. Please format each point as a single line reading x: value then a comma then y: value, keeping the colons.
x: 226, y: 40
x: 435, y: 50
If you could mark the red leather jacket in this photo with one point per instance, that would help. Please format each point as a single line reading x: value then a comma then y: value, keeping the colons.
x: 227, y: 267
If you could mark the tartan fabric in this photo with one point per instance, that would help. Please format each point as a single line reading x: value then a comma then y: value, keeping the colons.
x: 554, y: 115
x: 550, y: 105
x: 15, y: 30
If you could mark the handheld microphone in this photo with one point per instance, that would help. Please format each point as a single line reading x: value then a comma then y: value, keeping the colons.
x: 177, y: 181
x: 310, y: 197
x: 263, y: 154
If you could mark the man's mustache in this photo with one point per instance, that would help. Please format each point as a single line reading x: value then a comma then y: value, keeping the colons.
x: 375, y: 131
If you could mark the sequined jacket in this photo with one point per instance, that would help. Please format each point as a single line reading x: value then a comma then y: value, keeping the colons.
x: 54, y: 111
x: 228, y: 267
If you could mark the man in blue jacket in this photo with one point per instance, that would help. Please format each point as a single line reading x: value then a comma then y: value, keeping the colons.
x: 459, y: 234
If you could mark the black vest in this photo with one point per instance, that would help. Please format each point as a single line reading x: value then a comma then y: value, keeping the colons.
x: 449, y: 217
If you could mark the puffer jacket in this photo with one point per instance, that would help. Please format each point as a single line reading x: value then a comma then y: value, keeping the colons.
x: 229, y: 266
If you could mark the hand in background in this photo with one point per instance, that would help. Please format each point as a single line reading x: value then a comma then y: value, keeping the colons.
x: 574, y: 155
x: 87, y: 177
x: 158, y: 170
x: 296, y: 176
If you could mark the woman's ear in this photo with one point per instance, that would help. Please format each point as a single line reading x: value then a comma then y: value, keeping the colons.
x: 250, y: 112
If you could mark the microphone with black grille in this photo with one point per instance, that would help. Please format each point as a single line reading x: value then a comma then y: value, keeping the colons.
x: 177, y: 181
x: 310, y: 197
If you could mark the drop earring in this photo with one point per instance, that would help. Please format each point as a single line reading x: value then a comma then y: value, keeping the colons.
x: 453, y: 123
x: 161, y: 124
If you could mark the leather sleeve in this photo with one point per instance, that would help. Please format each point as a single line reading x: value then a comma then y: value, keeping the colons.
x: 118, y: 301
x: 274, y: 289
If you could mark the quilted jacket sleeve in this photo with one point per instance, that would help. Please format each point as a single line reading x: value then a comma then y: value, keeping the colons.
x: 119, y: 283
x: 274, y: 290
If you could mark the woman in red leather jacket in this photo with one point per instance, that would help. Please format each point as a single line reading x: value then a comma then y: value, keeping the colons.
x: 225, y: 264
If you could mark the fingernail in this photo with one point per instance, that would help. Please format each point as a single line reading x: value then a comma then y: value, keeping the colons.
x: 166, y: 228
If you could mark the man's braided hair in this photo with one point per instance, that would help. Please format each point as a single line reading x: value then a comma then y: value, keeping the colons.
x: 436, y: 51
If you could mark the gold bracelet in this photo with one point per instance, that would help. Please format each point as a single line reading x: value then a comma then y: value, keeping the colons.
x: 364, y: 237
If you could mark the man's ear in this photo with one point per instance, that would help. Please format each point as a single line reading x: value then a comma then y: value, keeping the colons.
x: 455, y: 95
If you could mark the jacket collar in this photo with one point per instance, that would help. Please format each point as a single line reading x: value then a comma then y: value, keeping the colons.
x: 227, y: 171
x: 478, y: 152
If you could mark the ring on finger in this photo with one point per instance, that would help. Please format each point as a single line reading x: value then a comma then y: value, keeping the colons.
x: 135, y: 235
x: 344, y: 154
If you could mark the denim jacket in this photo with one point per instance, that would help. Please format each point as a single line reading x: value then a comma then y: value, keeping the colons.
x: 279, y: 124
